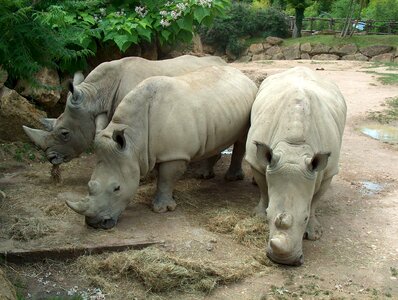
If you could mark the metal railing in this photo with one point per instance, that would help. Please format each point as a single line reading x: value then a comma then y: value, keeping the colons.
x: 314, y: 24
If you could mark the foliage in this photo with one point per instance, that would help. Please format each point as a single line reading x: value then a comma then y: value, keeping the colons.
x: 61, y: 34
x: 242, y: 21
x: 26, y: 44
x: 382, y: 10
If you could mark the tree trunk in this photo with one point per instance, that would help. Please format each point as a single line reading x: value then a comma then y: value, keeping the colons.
x: 299, y: 22
x: 348, y: 20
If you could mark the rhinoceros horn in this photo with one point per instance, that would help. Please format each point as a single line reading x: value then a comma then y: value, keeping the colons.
x: 37, y: 136
x: 279, y: 245
x: 284, y: 221
x: 78, y: 206
x: 48, y: 123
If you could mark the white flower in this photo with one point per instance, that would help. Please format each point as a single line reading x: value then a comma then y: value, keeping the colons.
x: 175, y: 14
x: 181, y: 6
x: 103, y: 11
x: 141, y: 11
x: 164, y: 23
x: 163, y: 13
x: 204, y: 3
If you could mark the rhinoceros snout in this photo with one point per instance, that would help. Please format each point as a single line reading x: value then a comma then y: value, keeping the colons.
x: 101, y: 223
x: 55, y: 158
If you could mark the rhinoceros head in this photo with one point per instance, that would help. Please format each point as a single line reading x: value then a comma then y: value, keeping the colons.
x: 291, y: 177
x: 114, y: 180
x: 69, y: 135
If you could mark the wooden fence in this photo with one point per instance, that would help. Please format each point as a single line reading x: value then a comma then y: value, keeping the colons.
x: 314, y: 24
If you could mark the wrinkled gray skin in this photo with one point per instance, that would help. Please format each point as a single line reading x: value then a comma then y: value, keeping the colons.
x: 293, y: 147
x: 165, y: 123
x: 91, y: 103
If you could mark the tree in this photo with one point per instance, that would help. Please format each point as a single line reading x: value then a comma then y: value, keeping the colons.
x: 299, y: 7
x: 354, y: 11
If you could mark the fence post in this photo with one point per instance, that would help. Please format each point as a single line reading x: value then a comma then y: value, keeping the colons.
x: 311, y: 23
x: 331, y: 23
x: 389, y: 27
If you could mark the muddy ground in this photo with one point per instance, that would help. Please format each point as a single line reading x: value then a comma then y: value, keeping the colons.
x: 356, y: 258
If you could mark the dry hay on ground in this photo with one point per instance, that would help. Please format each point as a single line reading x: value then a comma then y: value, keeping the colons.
x: 162, y: 272
x: 26, y: 229
x: 249, y: 231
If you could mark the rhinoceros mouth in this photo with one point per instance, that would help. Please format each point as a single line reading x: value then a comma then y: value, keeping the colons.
x: 291, y: 260
x: 101, y: 223
x: 56, y: 158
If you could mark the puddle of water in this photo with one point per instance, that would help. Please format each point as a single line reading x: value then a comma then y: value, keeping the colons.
x: 370, y: 188
x: 381, y: 132
x: 227, y: 151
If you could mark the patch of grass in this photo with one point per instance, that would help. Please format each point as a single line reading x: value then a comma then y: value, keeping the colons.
x: 390, y: 66
x: 389, y: 114
x: 394, y: 271
x: 162, y: 272
x: 360, y: 40
x: 21, y: 152
x: 385, y: 78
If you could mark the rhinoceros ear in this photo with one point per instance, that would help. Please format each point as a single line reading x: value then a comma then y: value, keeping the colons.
x: 77, y: 96
x: 318, y: 162
x: 78, y: 78
x: 119, y: 138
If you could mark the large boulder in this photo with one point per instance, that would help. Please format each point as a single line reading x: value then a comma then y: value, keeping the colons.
x: 48, y: 95
x: 256, y: 48
x: 261, y: 56
x: 7, y: 290
x: 326, y: 57
x: 16, y: 111
x: 292, y: 52
x: 273, y: 40
x: 305, y: 56
x: 278, y: 56
x: 357, y: 56
x: 274, y: 50
x: 344, y: 49
x: 306, y: 47
x: 375, y: 50
x: 386, y: 57
x: 319, y: 49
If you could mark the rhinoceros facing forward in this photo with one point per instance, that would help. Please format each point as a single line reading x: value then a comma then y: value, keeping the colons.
x: 293, y: 147
x: 167, y: 122
x: 92, y: 102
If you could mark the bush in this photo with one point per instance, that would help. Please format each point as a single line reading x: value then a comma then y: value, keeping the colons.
x: 242, y: 21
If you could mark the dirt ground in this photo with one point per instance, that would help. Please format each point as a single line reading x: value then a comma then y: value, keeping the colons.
x: 356, y: 258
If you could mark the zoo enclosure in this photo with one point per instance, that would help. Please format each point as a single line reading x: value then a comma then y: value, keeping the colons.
x: 314, y: 24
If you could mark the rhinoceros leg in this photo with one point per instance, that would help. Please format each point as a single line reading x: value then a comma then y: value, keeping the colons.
x: 235, y: 171
x: 314, y: 229
x: 205, y: 169
x: 261, y: 181
x: 169, y: 173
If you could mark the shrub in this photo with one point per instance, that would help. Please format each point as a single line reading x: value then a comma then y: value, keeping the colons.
x: 242, y: 21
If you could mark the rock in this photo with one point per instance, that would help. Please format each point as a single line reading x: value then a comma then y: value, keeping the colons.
x: 244, y: 59
x: 386, y: 57
x: 357, y: 56
x: 7, y: 290
x: 197, y: 46
x: 261, y: 56
x: 375, y: 50
x: 273, y: 50
x: 319, y: 49
x: 344, y: 49
x: 149, y: 50
x: 306, y: 47
x: 256, y: 48
x: 16, y: 111
x: 208, y: 49
x: 278, y: 56
x: 3, y: 77
x: 230, y: 56
x: 273, y: 40
x: 45, y: 96
x: 326, y: 57
x: 256, y: 75
x: 292, y: 52
x: 266, y: 46
x: 305, y: 56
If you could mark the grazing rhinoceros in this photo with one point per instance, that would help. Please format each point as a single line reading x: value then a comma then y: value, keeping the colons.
x: 167, y: 122
x: 293, y: 147
x: 92, y: 102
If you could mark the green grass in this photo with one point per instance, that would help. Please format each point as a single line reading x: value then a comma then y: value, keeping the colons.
x: 394, y: 271
x: 388, y: 115
x: 359, y: 40
x: 386, y: 78
x: 389, y: 66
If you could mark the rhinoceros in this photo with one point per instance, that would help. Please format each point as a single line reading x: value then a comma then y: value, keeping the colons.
x: 91, y: 103
x: 166, y: 122
x: 293, y: 148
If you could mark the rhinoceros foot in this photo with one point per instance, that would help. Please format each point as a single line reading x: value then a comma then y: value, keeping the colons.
x: 313, y: 231
x: 204, y: 174
x: 163, y: 204
x: 233, y: 175
x: 260, y: 211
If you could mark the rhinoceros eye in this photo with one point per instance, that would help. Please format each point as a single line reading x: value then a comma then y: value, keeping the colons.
x: 116, y: 188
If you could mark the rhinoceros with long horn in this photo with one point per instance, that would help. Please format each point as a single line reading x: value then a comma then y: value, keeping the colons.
x: 293, y: 147
x: 166, y: 122
x: 92, y: 102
